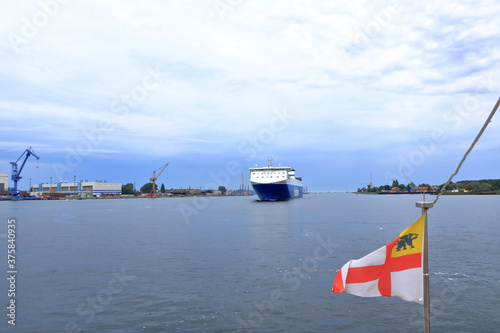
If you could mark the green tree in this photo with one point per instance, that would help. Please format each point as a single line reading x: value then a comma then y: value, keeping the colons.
x: 128, y: 188
x: 146, y: 188
x: 450, y: 186
x: 223, y: 190
x: 485, y: 187
x: 395, y: 183
x: 470, y: 187
x: 162, y: 188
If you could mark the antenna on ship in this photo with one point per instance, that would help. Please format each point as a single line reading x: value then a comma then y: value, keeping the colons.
x: 270, y: 162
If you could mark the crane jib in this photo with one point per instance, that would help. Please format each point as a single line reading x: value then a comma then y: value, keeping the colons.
x: 16, y: 173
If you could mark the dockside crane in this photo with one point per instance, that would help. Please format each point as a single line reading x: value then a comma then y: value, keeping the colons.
x: 154, y: 177
x: 16, y: 173
x: 408, y: 181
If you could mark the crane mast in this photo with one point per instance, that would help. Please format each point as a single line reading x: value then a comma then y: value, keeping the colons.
x: 408, y: 180
x: 154, y: 177
x: 16, y: 173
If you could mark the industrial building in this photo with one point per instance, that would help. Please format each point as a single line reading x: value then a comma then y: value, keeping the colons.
x: 4, y: 182
x: 82, y: 188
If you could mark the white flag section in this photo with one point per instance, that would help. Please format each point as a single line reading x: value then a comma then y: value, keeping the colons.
x: 392, y: 270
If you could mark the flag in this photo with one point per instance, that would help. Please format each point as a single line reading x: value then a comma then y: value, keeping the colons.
x: 393, y: 270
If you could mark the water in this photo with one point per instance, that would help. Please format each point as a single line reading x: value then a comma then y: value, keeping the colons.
x: 232, y: 264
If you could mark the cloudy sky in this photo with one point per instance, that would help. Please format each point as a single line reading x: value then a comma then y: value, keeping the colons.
x: 343, y: 91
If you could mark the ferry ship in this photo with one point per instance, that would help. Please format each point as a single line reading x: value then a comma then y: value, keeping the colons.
x: 275, y: 182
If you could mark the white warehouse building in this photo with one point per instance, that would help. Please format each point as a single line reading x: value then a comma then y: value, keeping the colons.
x: 97, y: 188
x: 4, y: 182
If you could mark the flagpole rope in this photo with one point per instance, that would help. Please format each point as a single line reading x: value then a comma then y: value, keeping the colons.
x: 469, y: 150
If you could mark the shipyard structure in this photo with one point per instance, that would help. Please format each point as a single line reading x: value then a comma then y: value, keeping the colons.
x: 82, y: 188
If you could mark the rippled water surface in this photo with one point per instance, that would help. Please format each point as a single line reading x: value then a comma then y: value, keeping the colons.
x: 233, y: 264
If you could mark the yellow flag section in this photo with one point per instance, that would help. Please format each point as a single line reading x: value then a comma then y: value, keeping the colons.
x: 392, y: 270
x: 410, y: 241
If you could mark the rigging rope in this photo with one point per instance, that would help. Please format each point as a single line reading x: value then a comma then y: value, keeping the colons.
x: 469, y: 150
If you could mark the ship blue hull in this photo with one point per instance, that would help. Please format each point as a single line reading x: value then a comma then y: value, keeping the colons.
x: 277, y: 191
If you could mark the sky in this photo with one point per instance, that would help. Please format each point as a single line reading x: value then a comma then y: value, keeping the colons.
x: 345, y: 92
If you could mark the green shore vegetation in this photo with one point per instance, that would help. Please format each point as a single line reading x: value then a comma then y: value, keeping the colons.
x: 483, y: 186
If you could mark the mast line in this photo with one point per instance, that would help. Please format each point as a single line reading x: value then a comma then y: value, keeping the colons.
x: 425, y: 207
x: 488, y: 120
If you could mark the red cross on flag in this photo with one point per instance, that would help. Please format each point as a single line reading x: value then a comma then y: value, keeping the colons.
x: 392, y: 270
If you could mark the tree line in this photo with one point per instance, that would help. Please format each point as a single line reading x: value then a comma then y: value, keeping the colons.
x: 473, y: 186
x: 482, y: 186
x: 148, y: 187
x: 395, y: 184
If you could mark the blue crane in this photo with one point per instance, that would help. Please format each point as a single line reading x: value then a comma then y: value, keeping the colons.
x: 16, y: 174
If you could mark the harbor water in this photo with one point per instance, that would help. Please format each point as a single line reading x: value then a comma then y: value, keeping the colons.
x: 234, y: 264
